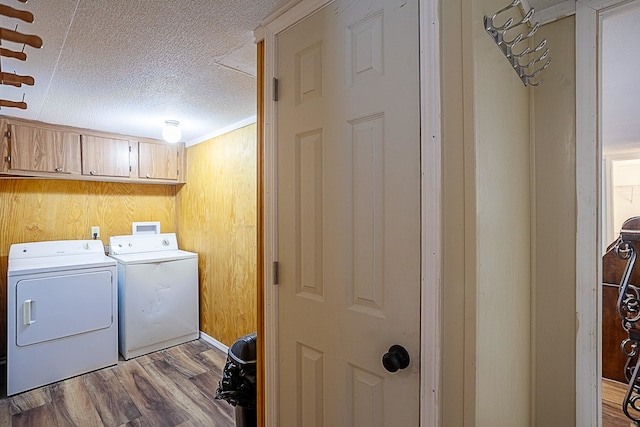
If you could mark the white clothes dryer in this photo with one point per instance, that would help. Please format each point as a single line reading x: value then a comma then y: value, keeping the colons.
x: 61, y: 312
x: 157, y: 293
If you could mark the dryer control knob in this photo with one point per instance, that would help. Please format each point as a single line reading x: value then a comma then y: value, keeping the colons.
x: 165, y: 242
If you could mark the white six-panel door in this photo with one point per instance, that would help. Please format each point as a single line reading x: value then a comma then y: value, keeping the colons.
x: 348, y: 215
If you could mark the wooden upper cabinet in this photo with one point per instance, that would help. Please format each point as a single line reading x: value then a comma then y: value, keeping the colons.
x: 105, y: 156
x: 158, y: 161
x: 44, y: 150
x: 34, y: 149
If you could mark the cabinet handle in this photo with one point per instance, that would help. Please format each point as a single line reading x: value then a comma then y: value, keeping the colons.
x: 92, y: 172
x: 58, y: 169
x: 148, y: 176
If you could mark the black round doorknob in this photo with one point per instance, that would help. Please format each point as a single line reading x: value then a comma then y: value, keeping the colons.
x: 396, y: 358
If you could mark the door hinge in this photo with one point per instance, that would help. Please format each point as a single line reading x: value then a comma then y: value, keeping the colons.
x: 130, y: 169
x: 129, y: 148
x: 276, y: 273
x: 275, y: 89
x: 8, y: 134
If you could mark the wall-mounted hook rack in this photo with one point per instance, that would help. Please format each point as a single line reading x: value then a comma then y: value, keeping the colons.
x: 10, y: 12
x: 17, y: 37
x: 515, y: 47
x: 13, y: 104
x: 13, y: 54
x: 15, y: 79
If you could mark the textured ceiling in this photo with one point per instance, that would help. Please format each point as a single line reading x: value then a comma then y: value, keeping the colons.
x: 126, y: 66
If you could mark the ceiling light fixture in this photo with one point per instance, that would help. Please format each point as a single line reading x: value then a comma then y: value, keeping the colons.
x: 171, y: 132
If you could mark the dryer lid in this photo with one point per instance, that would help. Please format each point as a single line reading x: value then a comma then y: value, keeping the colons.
x: 153, y: 257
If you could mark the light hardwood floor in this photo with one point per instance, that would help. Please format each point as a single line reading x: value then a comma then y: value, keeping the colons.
x: 613, y: 393
x: 172, y: 387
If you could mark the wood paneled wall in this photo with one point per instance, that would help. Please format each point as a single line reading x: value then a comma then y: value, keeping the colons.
x: 214, y: 214
x: 40, y: 209
x: 217, y: 219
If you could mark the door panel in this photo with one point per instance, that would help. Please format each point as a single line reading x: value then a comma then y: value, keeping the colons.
x: 158, y: 301
x: 105, y: 156
x: 157, y: 161
x: 63, y: 306
x: 44, y: 150
x: 348, y: 215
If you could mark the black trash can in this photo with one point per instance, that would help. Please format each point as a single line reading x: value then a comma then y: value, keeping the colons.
x: 238, y: 383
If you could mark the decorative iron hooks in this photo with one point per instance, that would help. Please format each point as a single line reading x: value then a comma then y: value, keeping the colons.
x: 514, y: 45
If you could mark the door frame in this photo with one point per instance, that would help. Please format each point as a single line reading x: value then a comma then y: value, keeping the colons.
x: 430, y: 141
x: 589, y: 212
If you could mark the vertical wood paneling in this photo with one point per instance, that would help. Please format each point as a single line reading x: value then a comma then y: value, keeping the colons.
x: 39, y: 209
x: 217, y: 219
x: 114, y: 206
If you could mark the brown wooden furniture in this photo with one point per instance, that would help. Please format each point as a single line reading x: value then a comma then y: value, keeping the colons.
x: 613, y: 360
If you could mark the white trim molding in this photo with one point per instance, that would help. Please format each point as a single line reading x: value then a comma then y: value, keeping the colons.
x: 230, y: 128
x: 214, y: 342
x: 431, y: 241
x: 589, y: 212
x: 553, y: 13
x: 588, y: 388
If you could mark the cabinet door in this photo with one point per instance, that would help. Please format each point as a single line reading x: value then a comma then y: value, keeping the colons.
x: 157, y: 161
x: 105, y: 156
x: 44, y: 150
x: 4, y: 147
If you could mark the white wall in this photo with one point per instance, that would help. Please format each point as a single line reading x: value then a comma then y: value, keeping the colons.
x: 555, y: 231
x: 509, y: 221
x: 503, y: 231
x: 487, y: 225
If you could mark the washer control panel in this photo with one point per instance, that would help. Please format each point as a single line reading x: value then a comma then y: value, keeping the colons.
x: 139, y: 243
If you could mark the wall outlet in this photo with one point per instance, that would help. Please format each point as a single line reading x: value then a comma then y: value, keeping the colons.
x: 95, y: 231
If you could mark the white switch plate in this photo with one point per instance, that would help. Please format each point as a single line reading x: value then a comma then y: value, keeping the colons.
x: 95, y: 231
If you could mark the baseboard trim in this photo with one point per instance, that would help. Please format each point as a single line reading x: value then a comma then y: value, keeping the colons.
x: 214, y: 342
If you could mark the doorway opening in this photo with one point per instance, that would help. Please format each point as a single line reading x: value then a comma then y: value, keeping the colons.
x: 619, y: 31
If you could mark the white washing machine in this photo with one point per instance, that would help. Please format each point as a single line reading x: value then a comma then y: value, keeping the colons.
x: 61, y: 312
x: 157, y: 293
